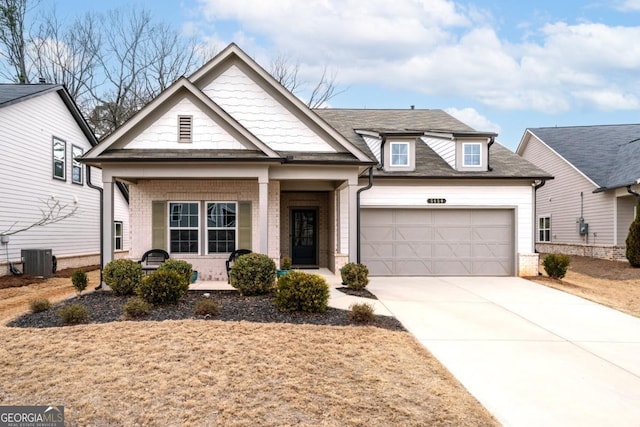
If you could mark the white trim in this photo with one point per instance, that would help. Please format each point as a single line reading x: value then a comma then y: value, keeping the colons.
x: 169, y: 228
x: 116, y: 235
x: 538, y: 229
x: 408, y: 154
x: 79, y: 165
x: 55, y: 140
x: 206, y: 227
x: 464, y: 154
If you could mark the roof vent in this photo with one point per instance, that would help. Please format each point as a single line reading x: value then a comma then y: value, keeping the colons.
x: 185, y: 128
x: 413, y: 107
x: 42, y: 81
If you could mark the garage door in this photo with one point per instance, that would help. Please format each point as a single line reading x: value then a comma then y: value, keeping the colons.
x: 438, y: 242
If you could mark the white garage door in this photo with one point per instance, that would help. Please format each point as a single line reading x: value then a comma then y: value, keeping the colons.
x: 438, y: 242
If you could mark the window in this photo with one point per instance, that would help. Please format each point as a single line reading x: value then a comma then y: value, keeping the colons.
x: 544, y: 229
x: 221, y: 227
x: 185, y: 128
x: 471, y: 154
x: 76, y: 166
x: 183, y: 227
x: 399, y: 154
x: 117, y: 235
x: 59, y: 159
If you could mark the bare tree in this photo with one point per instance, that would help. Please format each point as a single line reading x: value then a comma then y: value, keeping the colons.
x: 12, y: 38
x: 286, y: 71
x: 53, y: 212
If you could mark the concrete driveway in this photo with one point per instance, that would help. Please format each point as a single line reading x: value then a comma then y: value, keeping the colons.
x: 531, y: 355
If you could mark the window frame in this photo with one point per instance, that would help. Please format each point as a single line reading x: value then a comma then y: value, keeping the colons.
x: 207, y: 228
x: 407, y: 145
x: 76, y: 164
x: 544, y: 233
x: 55, y: 141
x: 170, y: 228
x: 116, y: 235
x: 464, y: 154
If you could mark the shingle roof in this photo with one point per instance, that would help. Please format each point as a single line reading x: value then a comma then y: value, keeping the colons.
x: 607, y: 154
x: 505, y: 164
x: 10, y: 93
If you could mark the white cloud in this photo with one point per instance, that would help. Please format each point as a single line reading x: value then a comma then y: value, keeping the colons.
x: 627, y: 5
x: 471, y: 117
x: 440, y: 48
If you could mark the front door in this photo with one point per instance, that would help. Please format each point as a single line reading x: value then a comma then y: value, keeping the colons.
x: 304, y: 237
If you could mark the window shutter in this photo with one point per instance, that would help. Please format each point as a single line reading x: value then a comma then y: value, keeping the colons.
x: 244, y: 225
x: 185, y: 128
x: 159, y: 224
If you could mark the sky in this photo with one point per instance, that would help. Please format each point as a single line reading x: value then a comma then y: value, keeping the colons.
x: 500, y: 66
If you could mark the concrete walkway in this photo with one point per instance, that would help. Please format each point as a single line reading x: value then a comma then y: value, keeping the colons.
x: 532, y: 355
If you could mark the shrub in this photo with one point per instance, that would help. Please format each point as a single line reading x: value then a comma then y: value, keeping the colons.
x: 163, y: 287
x: 136, y: 307
x: 253, y: 274
x: 79, y: 280
x: 73, y: 314
x: 362, y: 313
x: 207, y: 307
x: 181, y: 267
x: 123, y: 276
x: 299, y: 291
x: 285, y: 263
x: 556, y: 265
x: 39, y: 304
x: 633, y: 240
x: 355, y: 276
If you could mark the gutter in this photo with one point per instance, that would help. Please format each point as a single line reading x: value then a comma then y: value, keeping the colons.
x: 100, y: 190
x: 630, y: 191
x: 365, y: 188
x: 492, y: 140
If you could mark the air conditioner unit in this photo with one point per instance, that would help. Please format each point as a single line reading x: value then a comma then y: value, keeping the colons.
x: 38, y: 262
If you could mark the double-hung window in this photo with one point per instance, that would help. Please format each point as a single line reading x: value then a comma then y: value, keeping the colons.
x: 117, y: 235
x: 59, y: 159
x: 544, y: 229
x: 76, y: 166
x: 221, y: 227
x: 471, y: 154
x: 184, y: 227
x: 399, y: 154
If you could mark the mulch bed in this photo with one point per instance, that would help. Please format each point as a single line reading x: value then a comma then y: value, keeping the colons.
x: 105, y: 307
x: 24, y: 280
x: 362, y: 293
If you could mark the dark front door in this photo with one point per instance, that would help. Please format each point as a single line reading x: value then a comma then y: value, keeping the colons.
x: 304, y: 237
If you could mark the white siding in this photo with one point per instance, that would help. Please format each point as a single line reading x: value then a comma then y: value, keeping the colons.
x: 263, y: 115
x: 461, y: 196
x: 163, y: 133
x: 343, y: 242
x: 26, y: 183
x: 444, y: 148
x: 625, y: 211
x: 374, y: 145
x: 560, y: 199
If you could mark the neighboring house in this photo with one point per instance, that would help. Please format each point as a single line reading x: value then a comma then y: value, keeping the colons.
x: 588, y: 207
x: 42, y: 133
x: 229, y: 159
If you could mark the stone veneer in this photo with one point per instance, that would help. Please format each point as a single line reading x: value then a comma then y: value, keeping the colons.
x: 528, y: 265
x: 616, y: 253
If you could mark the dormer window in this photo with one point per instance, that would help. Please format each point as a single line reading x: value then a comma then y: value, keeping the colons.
x: 471, y: 154
x: 399, y: 154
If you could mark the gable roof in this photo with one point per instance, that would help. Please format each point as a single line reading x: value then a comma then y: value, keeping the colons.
x: 504, y: 163
x: 606, y: 154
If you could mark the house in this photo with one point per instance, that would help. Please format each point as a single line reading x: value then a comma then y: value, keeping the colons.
x: 589, y: 206
x: 42, y: 134
x: 228, y: 158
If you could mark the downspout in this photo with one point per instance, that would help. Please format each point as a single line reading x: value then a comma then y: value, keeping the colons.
x: 492, y: 140
x: 95, y: 187
x: 630, y: 191
x: 365, y: 188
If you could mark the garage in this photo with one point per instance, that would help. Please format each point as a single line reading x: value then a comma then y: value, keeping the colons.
x: 438, y: 242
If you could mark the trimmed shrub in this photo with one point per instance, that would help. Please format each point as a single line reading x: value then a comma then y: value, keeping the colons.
x: 39, y: 305
x: 73, y: 314
x: 362, y: 313
x: 163, y: 287
x: 285, y: 263
x: 253, y: 274
x: 123, y: 276
x: 181, y: 267
x: 207, y: 307
x: 300, y: 291
x: 633, y: 240
x: 556, y: 265
x: 136, y: 307
x: 354, y: 275
x: 79, y: 280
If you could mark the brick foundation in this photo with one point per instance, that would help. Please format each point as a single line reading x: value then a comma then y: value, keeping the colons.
x: 615, y: 253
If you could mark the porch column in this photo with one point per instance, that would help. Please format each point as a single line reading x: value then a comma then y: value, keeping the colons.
x: 107, y: 219
x: 263, y: 214
x: 353, y: 221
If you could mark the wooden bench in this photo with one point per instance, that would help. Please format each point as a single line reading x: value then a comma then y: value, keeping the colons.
x: 152, y: 259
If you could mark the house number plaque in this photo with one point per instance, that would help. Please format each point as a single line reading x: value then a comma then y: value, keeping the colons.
x: 437, y: 201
